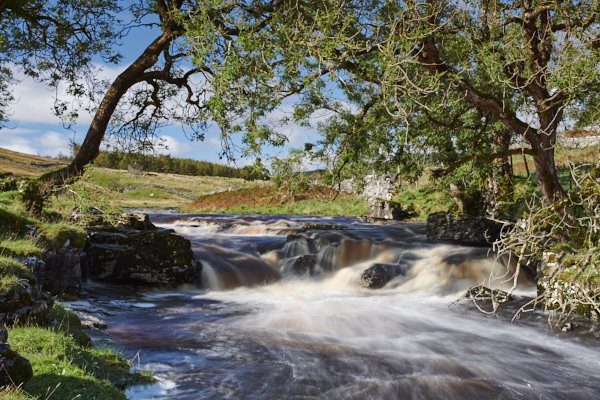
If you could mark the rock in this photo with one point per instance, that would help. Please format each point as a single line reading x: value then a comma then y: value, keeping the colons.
x: 378, y: 275
x: 14, y: 369
x: 62, y: 271
x: 135, y: 169
x: 139, y: 221
x: 304, y: 266
x: 57, y: 271
x: 386, y: 210
x: 89, y: 321
x: 24, y: 302
x: 568, y: 327
x: 347, y: 186
x: 484, y: 294
x: 380, y: 187
x: 91, y: 216
x: 464, y: 229
x: 133, y: 256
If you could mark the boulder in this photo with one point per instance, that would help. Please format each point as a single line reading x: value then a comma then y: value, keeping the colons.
x: 378, y: 275
x: 386, y: 210
x: 304, y: 266
x: 62, y: 272
x: 463, y: 229
x: 24, y: 302
x: 380, y: 187
x: 129, y: 255
x: 14, y: 369
x: 57, y: 271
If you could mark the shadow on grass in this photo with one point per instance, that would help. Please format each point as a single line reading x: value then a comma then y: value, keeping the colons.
x: 55, y: 386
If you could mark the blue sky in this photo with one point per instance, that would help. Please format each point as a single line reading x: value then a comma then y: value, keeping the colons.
x: 33, y: 129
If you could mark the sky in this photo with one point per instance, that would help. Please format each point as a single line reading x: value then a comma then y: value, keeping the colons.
x: 33, y: 129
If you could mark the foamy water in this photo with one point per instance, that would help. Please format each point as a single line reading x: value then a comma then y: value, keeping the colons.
x: 327, y: 337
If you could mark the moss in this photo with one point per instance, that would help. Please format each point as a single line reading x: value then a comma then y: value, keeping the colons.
x: 13, y: 223
x: 10, y: 267
x: 67, y: 322
x: 20, y: 370
x: 26, y: 247
x: 56, y: 236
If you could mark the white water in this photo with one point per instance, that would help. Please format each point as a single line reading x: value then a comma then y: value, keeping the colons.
x: 327, y: 337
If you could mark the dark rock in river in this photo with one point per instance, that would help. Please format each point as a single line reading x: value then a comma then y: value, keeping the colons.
x: 139, y: 253
x: 14, y: 369
x: 378, y: 275
x: 464, y: 229
x: 304, y: 266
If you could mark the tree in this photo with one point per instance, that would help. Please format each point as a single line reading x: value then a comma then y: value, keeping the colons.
x: 412, y: 74
x: 160, y: 86
x: 56, y: 42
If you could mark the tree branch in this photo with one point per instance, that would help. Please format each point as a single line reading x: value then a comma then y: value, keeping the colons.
x: 441, y: 172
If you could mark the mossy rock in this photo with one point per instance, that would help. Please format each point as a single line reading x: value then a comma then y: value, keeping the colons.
x: 14, y: 369
x: 147, y: 257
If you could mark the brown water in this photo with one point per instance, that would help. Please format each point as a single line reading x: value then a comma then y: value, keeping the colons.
x: 258, y: 332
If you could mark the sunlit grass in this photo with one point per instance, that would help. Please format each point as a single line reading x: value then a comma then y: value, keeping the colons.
x: 66, y: 367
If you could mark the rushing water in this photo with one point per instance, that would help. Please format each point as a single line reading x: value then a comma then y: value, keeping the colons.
x: 258, y: 331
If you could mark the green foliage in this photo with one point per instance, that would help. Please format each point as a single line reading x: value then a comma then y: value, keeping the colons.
x: 403, y: 84
x: 23, y: 235
x: 425, y: 199
x: 55, y: 41
x: 288, y: 173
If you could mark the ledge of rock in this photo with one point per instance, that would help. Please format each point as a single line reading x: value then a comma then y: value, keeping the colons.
x: 136, y: 252
x: 465, y: 229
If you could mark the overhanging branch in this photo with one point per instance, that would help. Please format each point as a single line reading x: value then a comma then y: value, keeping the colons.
x: 442, y: 172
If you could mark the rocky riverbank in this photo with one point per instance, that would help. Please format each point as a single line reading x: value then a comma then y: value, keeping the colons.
x: 128, y: 250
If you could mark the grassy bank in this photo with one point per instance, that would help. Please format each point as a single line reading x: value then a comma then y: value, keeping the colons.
x: 65, y: 366
x: 318, y: 200
x: 105, y: 184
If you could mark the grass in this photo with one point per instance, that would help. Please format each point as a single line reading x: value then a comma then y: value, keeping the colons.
x: 65, y: 364
x: 24, y: 164
x: 66, y: 367
x: 268, y: 200
x: 424, y: 198
x: 108, y: 182
x: 22, y: 235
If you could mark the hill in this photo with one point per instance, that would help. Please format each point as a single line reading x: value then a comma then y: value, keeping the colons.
x: 107, y: 188
x: 20, y: 164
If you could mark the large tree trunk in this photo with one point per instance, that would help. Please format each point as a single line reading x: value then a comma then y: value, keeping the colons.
x: 546, y: 175
x: 543, y: 142
x: 90, y: 147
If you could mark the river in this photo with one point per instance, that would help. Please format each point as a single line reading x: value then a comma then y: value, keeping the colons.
x: 262, y: 328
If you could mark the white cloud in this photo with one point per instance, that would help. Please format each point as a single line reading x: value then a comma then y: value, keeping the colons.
x: 35, y: 101
x: 17, y: 143
x: 32, y: 141
x: 53, y: 143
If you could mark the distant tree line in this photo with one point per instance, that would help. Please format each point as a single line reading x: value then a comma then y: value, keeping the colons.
x: 168, y: 164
